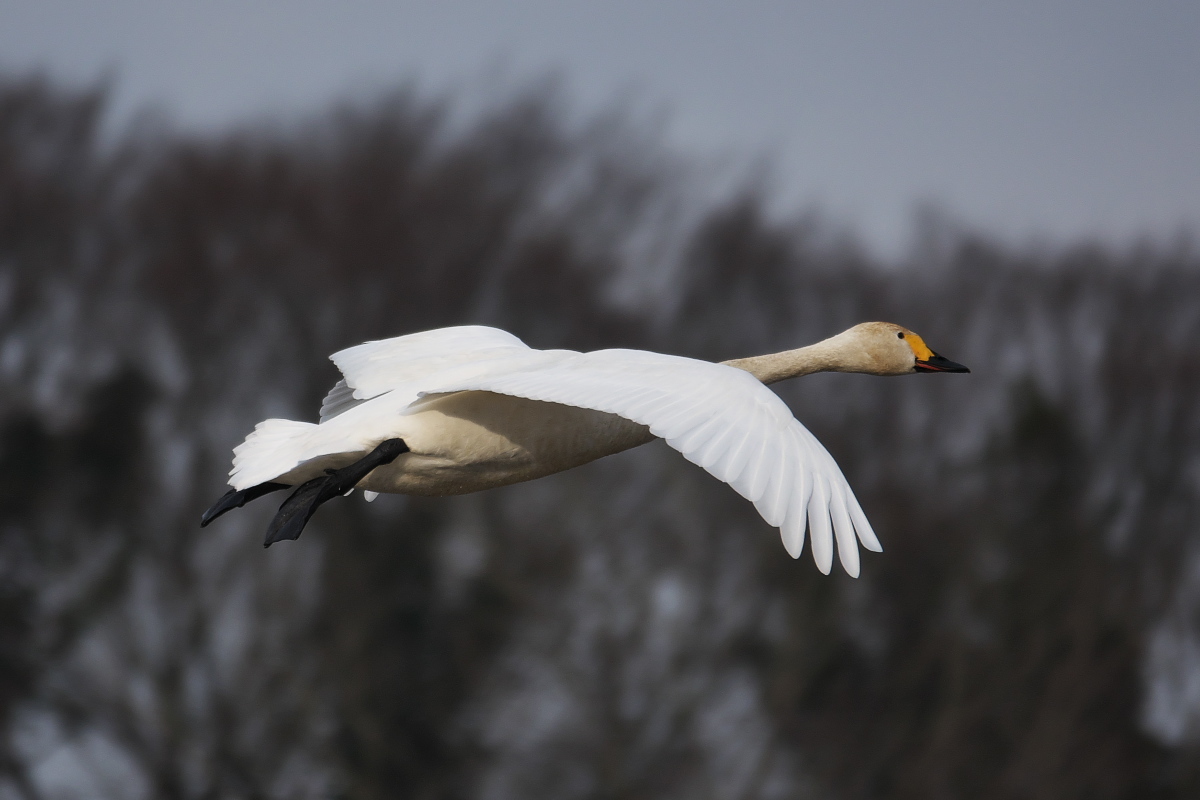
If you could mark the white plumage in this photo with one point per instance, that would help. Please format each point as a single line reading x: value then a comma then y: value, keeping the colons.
x: 478, y: 408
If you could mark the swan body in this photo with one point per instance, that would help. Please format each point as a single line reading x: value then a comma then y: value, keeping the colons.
x: 476, y: 408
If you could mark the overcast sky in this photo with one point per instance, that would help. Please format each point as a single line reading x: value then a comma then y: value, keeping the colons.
x: 1054, y: 118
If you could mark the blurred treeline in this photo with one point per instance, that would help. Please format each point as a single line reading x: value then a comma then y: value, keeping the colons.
x: 630, y: 629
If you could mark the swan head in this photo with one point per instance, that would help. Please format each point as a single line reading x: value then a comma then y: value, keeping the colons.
x: 884, y: 348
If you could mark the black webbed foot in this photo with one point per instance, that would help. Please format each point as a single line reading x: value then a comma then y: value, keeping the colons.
x: 298, y: 509
x: 235, y: 499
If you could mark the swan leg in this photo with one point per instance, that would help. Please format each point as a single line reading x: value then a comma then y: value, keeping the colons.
x: 235, y: 499
x: 296, y: 511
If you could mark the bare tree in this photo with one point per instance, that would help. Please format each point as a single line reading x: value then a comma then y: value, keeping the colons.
x: 629, y: 629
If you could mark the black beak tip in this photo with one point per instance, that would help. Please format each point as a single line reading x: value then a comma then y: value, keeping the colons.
x: 938, y: 364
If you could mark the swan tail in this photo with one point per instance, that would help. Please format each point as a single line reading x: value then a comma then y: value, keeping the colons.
x: 273, y: 448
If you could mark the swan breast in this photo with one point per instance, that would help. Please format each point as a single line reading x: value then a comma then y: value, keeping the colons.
x: 467, y: 441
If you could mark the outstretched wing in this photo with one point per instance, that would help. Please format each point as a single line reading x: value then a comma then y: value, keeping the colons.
x: 374, y: 368
x: 719, y: 417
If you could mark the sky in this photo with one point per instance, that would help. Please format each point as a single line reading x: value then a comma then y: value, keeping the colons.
x: 1038, y: 121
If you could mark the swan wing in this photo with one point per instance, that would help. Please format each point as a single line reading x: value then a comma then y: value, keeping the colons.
x: 375, y: 368
x: 717, y: 416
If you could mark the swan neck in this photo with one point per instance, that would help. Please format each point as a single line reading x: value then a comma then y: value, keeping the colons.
x: 826, y: 356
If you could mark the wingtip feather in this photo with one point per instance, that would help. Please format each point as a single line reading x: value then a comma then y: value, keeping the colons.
x: 843, y: 530
x: 820, y: 527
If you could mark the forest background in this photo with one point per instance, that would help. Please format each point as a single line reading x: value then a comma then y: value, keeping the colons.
x: 630, y: 629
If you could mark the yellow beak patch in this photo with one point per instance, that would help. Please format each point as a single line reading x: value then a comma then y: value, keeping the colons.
x: 919, y: 348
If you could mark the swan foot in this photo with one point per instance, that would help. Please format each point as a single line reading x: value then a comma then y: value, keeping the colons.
x: 298, y: 509
x: 235, y: 499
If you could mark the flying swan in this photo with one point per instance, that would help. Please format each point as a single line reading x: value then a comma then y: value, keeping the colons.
x: 458, y: 410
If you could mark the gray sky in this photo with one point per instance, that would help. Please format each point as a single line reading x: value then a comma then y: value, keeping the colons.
x: 1054, y: 118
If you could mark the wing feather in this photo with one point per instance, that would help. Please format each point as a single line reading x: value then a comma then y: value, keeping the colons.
x: 792, y: 531
x: 692, y: 441
x: 773, y: 503
x: 819, y: 525
x: 711, y: 456
x: 375, y: 368
x: 339, y: 400
x: 843, y: 531
x: 753, y: 480
x: 737, y: 457
x: 863, y: 528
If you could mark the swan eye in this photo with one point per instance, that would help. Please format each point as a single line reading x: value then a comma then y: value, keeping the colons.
x: 900, y: 335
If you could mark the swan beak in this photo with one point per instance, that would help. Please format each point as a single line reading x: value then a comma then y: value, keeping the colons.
x: 936, y: 363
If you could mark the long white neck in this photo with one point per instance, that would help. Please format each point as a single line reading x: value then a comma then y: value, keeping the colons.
x: 836, y: 354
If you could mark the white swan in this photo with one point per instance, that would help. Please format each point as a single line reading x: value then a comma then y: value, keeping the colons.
x: 457, y: 410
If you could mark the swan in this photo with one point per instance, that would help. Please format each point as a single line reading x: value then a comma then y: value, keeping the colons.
x: 461, y: 409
